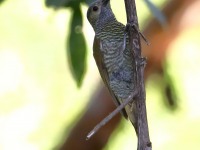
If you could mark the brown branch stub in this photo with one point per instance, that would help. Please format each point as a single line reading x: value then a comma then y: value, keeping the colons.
x: 135, y: 45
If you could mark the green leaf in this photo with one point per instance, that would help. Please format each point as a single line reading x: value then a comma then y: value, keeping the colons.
x: 88, y: 2
x: 157, y: 13
x: 77, y: 47
x: 57, y: 3
x: 1, y: 1
x: 64, y: 3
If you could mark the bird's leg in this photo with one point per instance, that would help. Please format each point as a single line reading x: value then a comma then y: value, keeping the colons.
x: 138, y: 31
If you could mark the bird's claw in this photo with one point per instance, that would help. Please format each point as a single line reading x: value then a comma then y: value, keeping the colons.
x: 134, y: 26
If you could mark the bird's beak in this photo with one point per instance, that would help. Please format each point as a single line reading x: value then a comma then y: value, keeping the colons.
x: 105, y: 2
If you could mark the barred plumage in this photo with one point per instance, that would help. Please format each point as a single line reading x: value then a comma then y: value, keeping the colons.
x: 112, y: 54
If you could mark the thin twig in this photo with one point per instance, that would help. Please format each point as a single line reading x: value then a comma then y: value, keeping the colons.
x: 111, y: 115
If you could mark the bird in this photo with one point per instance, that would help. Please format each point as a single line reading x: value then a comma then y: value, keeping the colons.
x: 113, y: 56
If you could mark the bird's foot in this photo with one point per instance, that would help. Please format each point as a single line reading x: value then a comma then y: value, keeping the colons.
x: 134, y: 26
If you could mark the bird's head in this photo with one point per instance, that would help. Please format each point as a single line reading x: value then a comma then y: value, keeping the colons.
x: 99, y: 12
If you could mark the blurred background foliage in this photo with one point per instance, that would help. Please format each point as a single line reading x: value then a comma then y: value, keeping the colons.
x: 40, y: 100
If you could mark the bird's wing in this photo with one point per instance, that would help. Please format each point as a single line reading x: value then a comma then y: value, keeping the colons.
x: 103, y: 72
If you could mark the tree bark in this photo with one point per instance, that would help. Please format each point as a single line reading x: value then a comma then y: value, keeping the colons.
x: 140, y: 100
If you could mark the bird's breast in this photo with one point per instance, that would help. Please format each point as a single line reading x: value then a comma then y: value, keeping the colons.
x: 119, y: 68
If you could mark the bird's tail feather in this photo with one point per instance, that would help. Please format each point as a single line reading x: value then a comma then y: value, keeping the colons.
x: 132, y: 115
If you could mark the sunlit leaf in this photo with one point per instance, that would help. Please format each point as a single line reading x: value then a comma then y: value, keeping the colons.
x: 77, y: 47
x: 156, y: 12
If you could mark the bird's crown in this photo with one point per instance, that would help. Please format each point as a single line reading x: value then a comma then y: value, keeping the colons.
x: 99, y: 13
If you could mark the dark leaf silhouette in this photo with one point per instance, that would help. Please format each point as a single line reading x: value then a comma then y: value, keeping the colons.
x: 1, y: 1
x: 157, y: 13
x: 77, y: 47
x: 64, y: 3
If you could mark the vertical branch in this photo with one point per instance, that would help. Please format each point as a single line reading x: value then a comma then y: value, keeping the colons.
x: 135, y: 45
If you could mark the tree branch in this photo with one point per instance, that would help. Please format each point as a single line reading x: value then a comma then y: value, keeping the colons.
x: 135, y: 45
x: 111, y: 115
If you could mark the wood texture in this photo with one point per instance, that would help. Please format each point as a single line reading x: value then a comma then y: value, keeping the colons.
x: 140, y: 100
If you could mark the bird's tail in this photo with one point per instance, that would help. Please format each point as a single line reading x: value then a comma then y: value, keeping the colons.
x: 132, y: 115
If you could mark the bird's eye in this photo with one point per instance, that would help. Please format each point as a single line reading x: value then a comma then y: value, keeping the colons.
x: 95, y: 8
